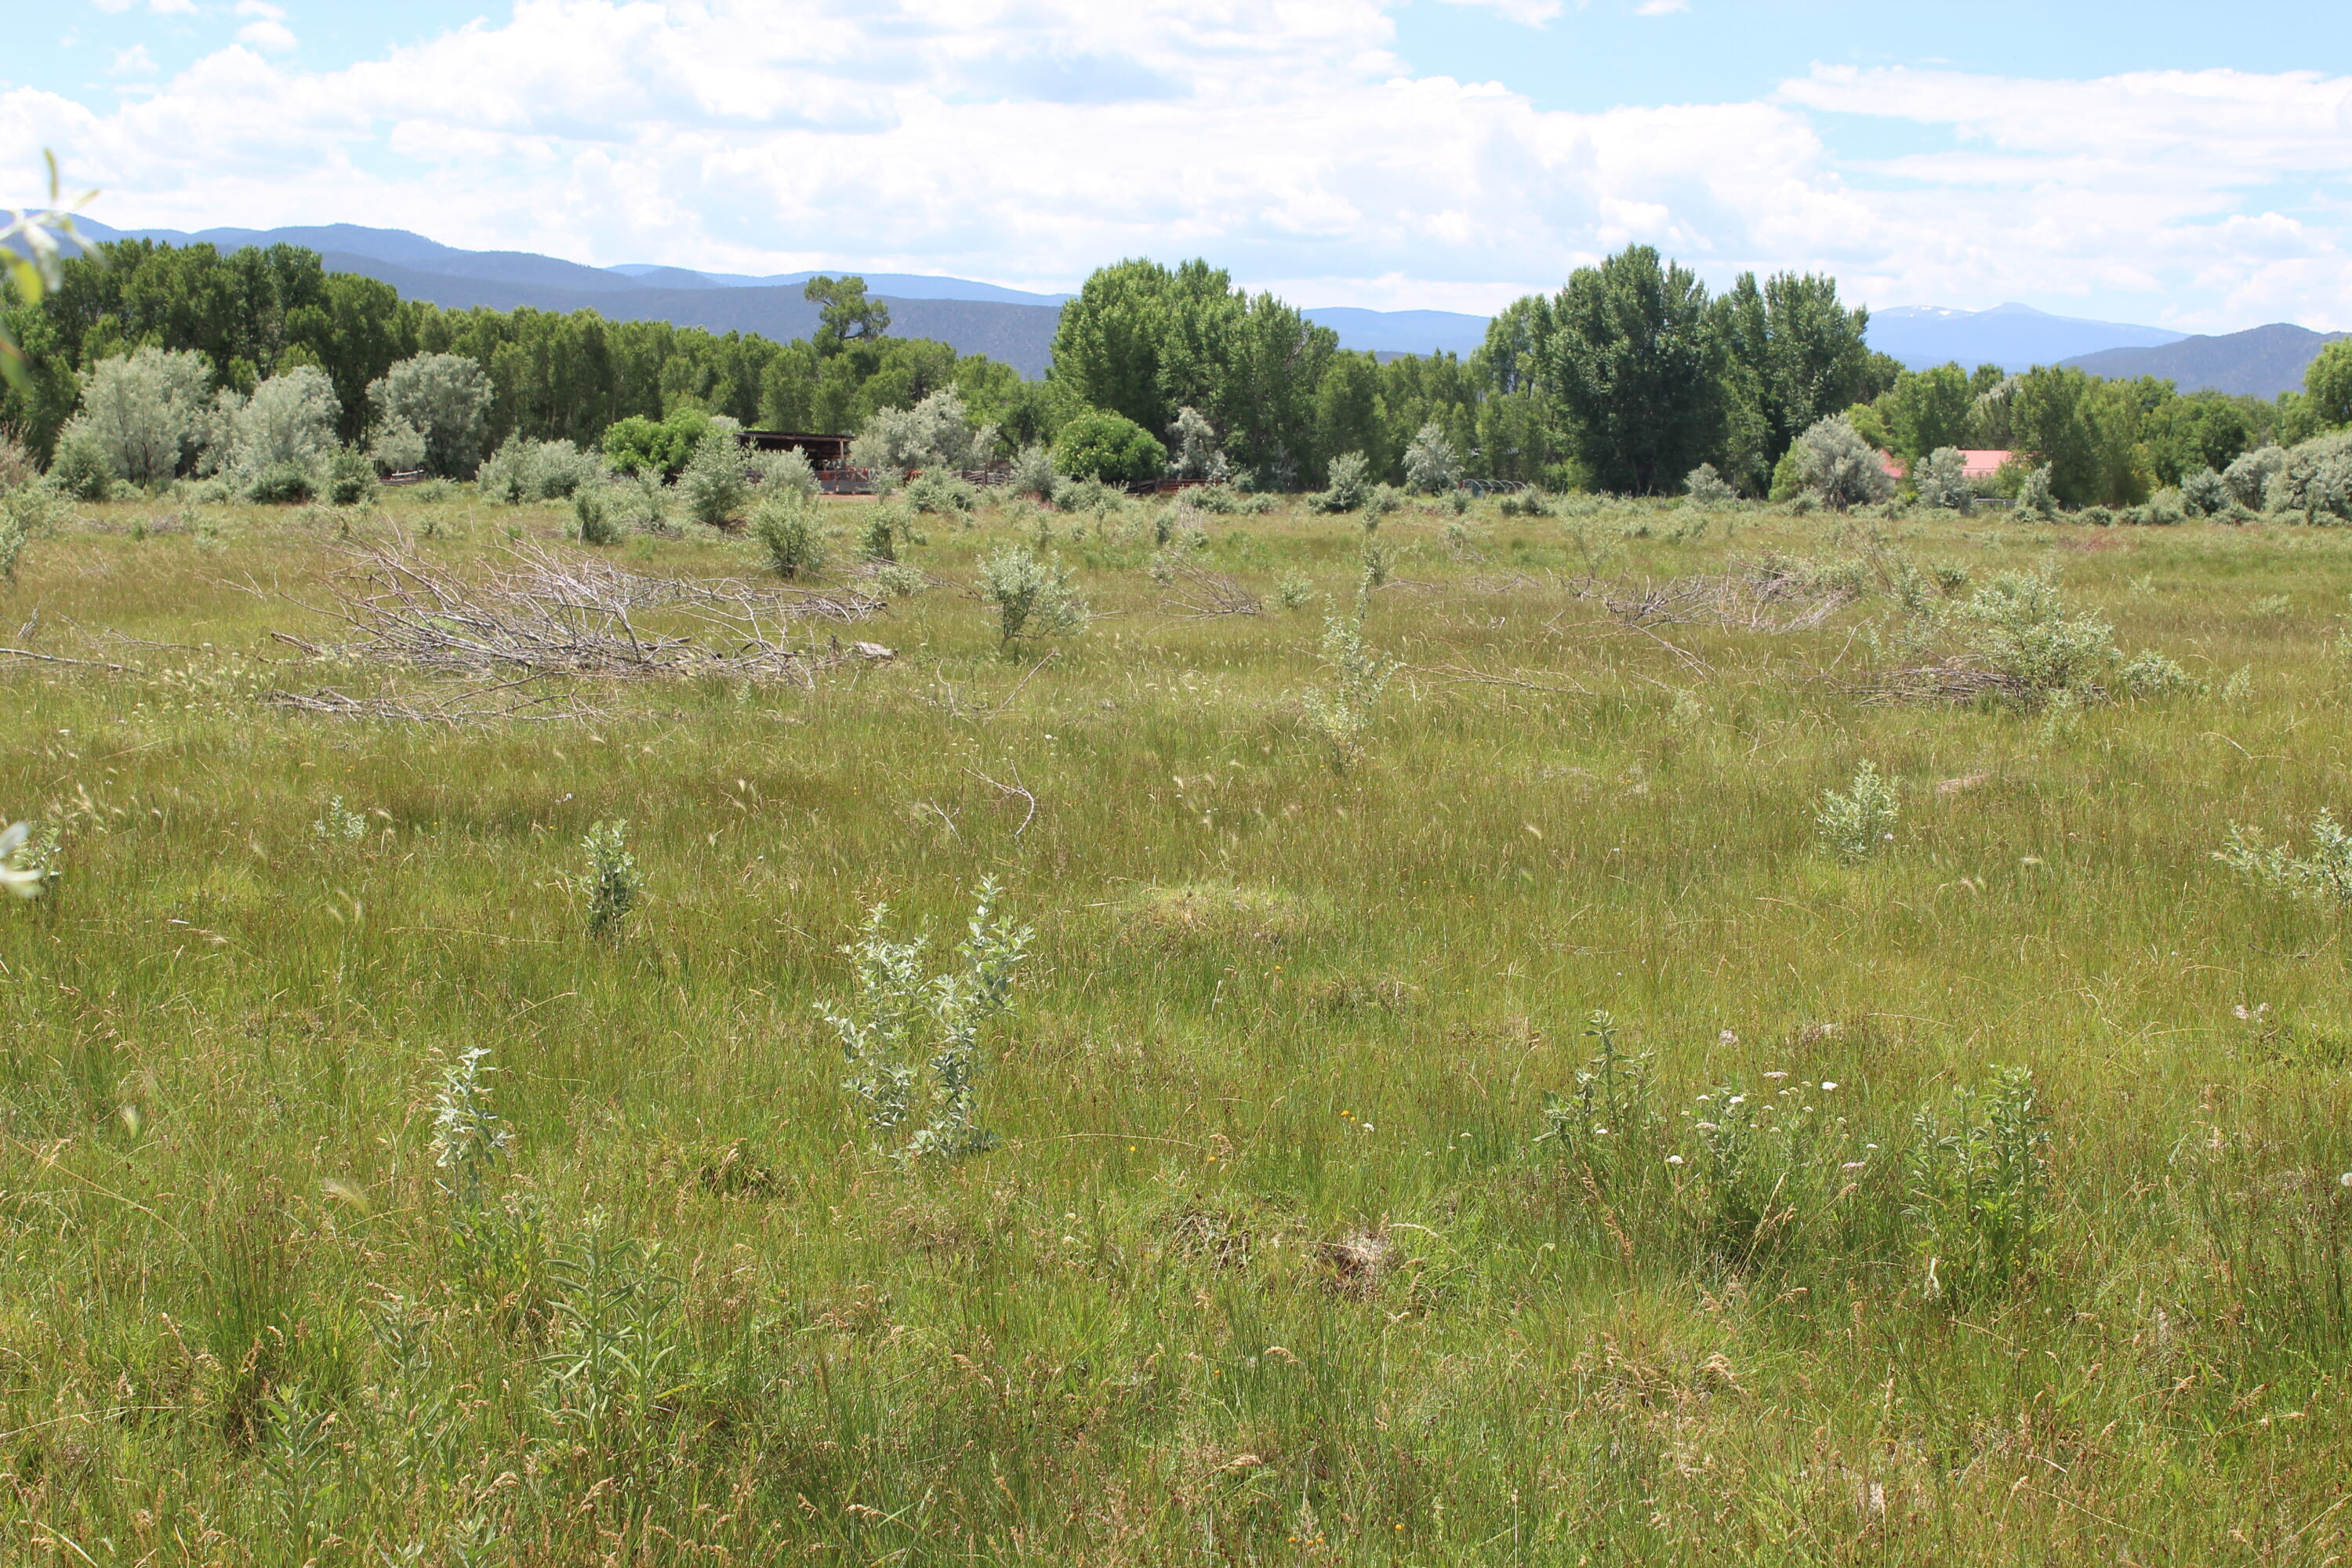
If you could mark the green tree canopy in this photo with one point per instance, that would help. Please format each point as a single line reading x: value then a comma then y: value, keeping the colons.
x: 1795, y: 356
x: 1144, y: 341
x: 1635, y: 365
x: 849, y: 314
x: 2327, y: 384
x: 1926, y: 410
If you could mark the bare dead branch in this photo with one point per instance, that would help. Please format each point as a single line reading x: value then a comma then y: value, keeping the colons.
x: 1011, y: 792
x: 58, y: 658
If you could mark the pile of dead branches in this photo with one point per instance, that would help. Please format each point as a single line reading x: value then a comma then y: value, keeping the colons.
x: 1954, y: 681
x: 1199, y: 595
x: 1762, y: 598
x: 548, y: 615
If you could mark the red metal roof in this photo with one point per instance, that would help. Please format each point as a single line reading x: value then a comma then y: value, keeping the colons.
x: 1976, y: 463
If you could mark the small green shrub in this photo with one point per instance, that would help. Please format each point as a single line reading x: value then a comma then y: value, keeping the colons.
x: 470, y: 1140
x: 27, y: 513
x: 608, y: 1368
x: 1705, y: 487
x: 347, y: 478
x: 716, y: 487
x: 2017, y: 626
x: 885, y: 524
x: 937, y: 492
x: 288, y: 482
x: 1941, y: 481
x: 1858, y: 824
x: 1348, y: 484
x: 900, y: 1023
x: 80, y: 468
x: 1342, y: 714
x: 2151, y: 676
x: 1033, y: 473
x: 1755, y: 1180
x: 17, y: 468
x: 896, y: 581
x: 2034, y: 495
x: 338, y: 824
x: 2323, y: 877
x: 655, y: 447
x: 1978, y: 1181
x: 1109, y: 446
x: 522, y: 471
x: 610, y: 882
x: 786, y: 470
x: 1839, y: 468
x: 597, y: 514
x: 29, y: 860
x: 1607, y: 1125
x: 1033, y: 596
x: 789, y: 527
x: 1431, y: 462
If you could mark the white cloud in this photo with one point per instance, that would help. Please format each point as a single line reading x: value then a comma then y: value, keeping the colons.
x: 1527, y: 12
x: 134, y: 61
x: 261, y: 8
x: 275, y: 37
x: 1028, y: 140
x: 1660, y: 7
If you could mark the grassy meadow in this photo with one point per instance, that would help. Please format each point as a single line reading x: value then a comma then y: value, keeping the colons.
x: 1281, y: 1259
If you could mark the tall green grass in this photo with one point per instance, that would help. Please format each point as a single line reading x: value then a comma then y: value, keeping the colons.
x: 1273, y: 1264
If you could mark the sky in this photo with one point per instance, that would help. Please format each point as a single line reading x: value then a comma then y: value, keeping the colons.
x: 2187, y: 167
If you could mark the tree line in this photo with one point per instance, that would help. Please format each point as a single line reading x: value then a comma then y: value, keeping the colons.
x: 256, y: 314
x: 1627, y: 379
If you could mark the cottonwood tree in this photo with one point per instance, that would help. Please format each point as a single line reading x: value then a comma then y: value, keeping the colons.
x: 848, y: 314
x: 1927, y: 409
x: 1143, y: 340
x: 445, y: 399
x: 1793, y: 355
x: 2327, y: 384
x: 1636, y: 366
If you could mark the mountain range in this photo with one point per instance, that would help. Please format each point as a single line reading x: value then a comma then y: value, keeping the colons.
x: 1017, y: 327
x: 2262, y: 361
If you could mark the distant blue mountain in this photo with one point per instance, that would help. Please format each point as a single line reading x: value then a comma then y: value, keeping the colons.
x: 2261, y: 362
x: 2014, y: 337
x: 1402, y: 331
x: 895, y: 285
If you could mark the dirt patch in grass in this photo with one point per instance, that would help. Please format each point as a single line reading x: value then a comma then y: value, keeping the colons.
x: 1222, y: 913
